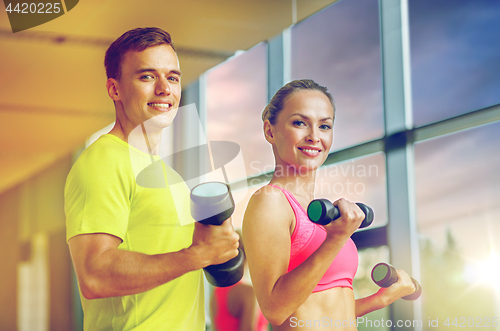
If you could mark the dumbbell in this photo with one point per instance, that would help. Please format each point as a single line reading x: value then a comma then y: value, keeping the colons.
x: 212, y: 204
x: 322, y: 211
x: 384, y: 275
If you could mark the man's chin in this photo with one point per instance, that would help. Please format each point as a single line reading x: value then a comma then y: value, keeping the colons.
x: 162, y: 120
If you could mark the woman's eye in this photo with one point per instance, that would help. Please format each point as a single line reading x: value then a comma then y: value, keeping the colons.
x: 325, y: 127
x: 298, y: 123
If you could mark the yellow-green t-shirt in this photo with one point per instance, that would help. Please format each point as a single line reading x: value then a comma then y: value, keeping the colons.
x: 102, y: 195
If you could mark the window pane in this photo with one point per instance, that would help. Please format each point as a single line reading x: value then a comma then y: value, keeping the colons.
x: 358, y: 180
x: 241, y: 206
x: 455, y: 52
x: 458, y: 207
x: 236, y: 94
x: 339, y: 48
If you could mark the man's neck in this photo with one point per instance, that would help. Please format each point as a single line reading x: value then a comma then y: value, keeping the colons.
x: 144, y: 138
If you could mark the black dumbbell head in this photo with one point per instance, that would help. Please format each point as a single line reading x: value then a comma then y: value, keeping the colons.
x: 415, y: 295
x: 384, y: 275
x: 227, y: 273
x: 368, y: 215
x: 322, y: 211
x: 211, y: 203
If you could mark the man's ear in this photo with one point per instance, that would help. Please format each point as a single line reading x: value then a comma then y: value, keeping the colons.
x: 112, y: 87
x: 269, y: 131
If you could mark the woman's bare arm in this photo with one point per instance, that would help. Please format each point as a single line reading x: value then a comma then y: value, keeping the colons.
x: 266, y: 231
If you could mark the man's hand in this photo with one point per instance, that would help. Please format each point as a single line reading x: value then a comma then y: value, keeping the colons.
x: 216, y: 243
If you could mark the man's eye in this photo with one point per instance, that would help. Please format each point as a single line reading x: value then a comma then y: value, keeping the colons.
x: 147, y: 77
x: 174, y: 78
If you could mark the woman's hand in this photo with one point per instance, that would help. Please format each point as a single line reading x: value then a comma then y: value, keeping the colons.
x: 403, y: 287
x: 349, y: 221
x: 385, y: 296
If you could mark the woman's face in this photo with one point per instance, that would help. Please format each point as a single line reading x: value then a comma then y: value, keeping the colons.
x: 303, y: 132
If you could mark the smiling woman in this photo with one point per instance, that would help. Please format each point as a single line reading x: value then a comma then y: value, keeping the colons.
x: 301, y: 270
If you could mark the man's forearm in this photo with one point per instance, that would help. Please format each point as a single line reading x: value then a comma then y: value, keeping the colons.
x: 121, y: 272
x: 109, y: 271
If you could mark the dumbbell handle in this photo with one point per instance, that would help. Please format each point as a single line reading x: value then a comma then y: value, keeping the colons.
x: 384, y: 275
x: 330, y: 213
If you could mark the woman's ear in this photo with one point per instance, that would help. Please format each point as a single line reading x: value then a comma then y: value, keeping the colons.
x: 269, y: 131
x: 112, y: 87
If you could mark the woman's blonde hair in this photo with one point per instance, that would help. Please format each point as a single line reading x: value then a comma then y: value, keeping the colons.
x: 275, y: 106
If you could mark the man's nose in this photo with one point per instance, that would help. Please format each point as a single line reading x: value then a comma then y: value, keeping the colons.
x: 162, y: 87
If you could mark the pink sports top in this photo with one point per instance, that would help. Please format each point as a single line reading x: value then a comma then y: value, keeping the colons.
x: 223, y: 320
x: 307, y: 237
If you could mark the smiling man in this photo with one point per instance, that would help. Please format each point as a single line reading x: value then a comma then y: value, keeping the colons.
x: 138, y: 259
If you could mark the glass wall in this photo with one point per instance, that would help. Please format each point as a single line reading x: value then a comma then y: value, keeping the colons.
x: 236, y: 94
x: 458, y: 189
x: 364, y: 287
x: 339, y: 48
x: 360, y: 180
x: 455, y: 52
x: 454, y: 69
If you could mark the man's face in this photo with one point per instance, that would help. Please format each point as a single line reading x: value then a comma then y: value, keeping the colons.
x: 149, y: 86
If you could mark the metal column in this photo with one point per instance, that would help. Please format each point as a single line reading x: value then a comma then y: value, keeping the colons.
x: 401, y: 230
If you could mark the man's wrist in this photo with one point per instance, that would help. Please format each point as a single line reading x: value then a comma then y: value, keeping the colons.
x: 196, y: 257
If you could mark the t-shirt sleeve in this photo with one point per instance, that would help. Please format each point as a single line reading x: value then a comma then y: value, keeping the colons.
x: 97, y: 196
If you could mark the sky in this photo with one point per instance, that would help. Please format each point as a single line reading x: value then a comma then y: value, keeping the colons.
x: 455, y: 57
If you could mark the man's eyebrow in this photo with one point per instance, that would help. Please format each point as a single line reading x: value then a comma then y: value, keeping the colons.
x: 173, y: 71
x: 176, y: 72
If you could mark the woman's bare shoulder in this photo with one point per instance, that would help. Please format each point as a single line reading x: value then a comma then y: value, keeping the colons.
x: 267, y: 196
x: 268, y: 207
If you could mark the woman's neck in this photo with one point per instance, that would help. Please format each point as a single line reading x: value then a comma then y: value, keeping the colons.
x: 298, y: 183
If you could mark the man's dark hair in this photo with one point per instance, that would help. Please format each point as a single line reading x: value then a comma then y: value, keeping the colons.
x: 134, y: 40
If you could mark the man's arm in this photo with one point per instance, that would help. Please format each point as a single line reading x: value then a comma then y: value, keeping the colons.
x: 103, y: 270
